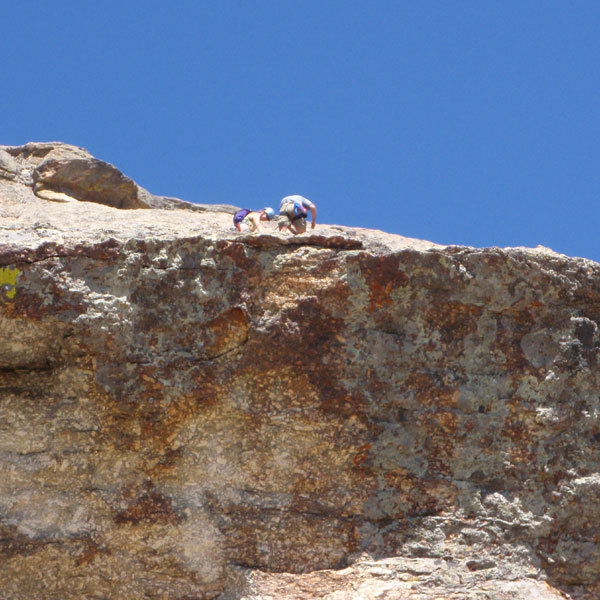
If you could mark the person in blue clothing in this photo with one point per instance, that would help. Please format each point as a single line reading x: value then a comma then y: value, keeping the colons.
x: 295, y: 209
x: 246, y: 219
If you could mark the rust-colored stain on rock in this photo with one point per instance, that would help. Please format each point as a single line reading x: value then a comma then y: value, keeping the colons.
x: 150, y: 508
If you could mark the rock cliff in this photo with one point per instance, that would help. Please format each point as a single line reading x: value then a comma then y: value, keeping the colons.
x: 187, y: 412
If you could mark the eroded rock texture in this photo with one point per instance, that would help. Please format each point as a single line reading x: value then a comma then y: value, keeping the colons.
x: 190, y: 413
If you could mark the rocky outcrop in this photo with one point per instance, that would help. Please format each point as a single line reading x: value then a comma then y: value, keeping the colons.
x: 188, y: 412
x: 64, y: 173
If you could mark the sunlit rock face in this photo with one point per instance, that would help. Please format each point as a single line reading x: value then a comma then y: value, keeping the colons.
x: 191, y: 413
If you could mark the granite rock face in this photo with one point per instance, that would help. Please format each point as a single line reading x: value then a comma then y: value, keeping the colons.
x: 187, y: 412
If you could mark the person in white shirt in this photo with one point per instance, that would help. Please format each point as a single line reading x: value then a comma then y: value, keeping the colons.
x: 295, y: 209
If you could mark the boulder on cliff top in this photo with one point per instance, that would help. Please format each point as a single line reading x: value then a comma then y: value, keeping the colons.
x: 62, y: 173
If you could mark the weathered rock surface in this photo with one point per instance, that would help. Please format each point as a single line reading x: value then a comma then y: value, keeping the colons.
x: 191, y: 413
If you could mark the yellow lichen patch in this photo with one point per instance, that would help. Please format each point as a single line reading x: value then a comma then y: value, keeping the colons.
x: 8, y: 281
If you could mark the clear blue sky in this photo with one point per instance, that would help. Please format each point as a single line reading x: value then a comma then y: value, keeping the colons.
x: 460, y: 122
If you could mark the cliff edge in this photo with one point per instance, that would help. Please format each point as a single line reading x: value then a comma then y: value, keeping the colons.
x: 187, y: 412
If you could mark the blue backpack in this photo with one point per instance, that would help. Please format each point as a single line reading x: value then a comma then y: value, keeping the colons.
x: 299, y: 211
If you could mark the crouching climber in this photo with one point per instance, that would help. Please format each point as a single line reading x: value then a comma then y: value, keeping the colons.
x: 249, y: 220
x: 295, y: 209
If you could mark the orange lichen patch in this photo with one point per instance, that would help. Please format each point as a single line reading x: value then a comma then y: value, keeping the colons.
x: 519, y: 432
x: 521, y: 455
x: 509, y: 329
x: 169, y: 461
x: 417, y: 495
x: 179, y: 411
x: 361, y: 455
x: 89, y: 552
x: 149, y: 508
x: 159, y: 424
x: 383, y: 276
x: 147, y: 423
x: 441, y: 440
x: 235, y: 251
x: 447, y: 420
x: 228, y: 331
x: 151, y: 383
x: 453, y: 320
x: 516, y: 431
x: 120, y: 422
x: 438, y: 443
x: 400, y: 479
x: 468, y: 426
x: 428, y: 392
x: 380, y: 294
x: 520, y: 424
x: 438, y: 467
x: 535, y: 304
